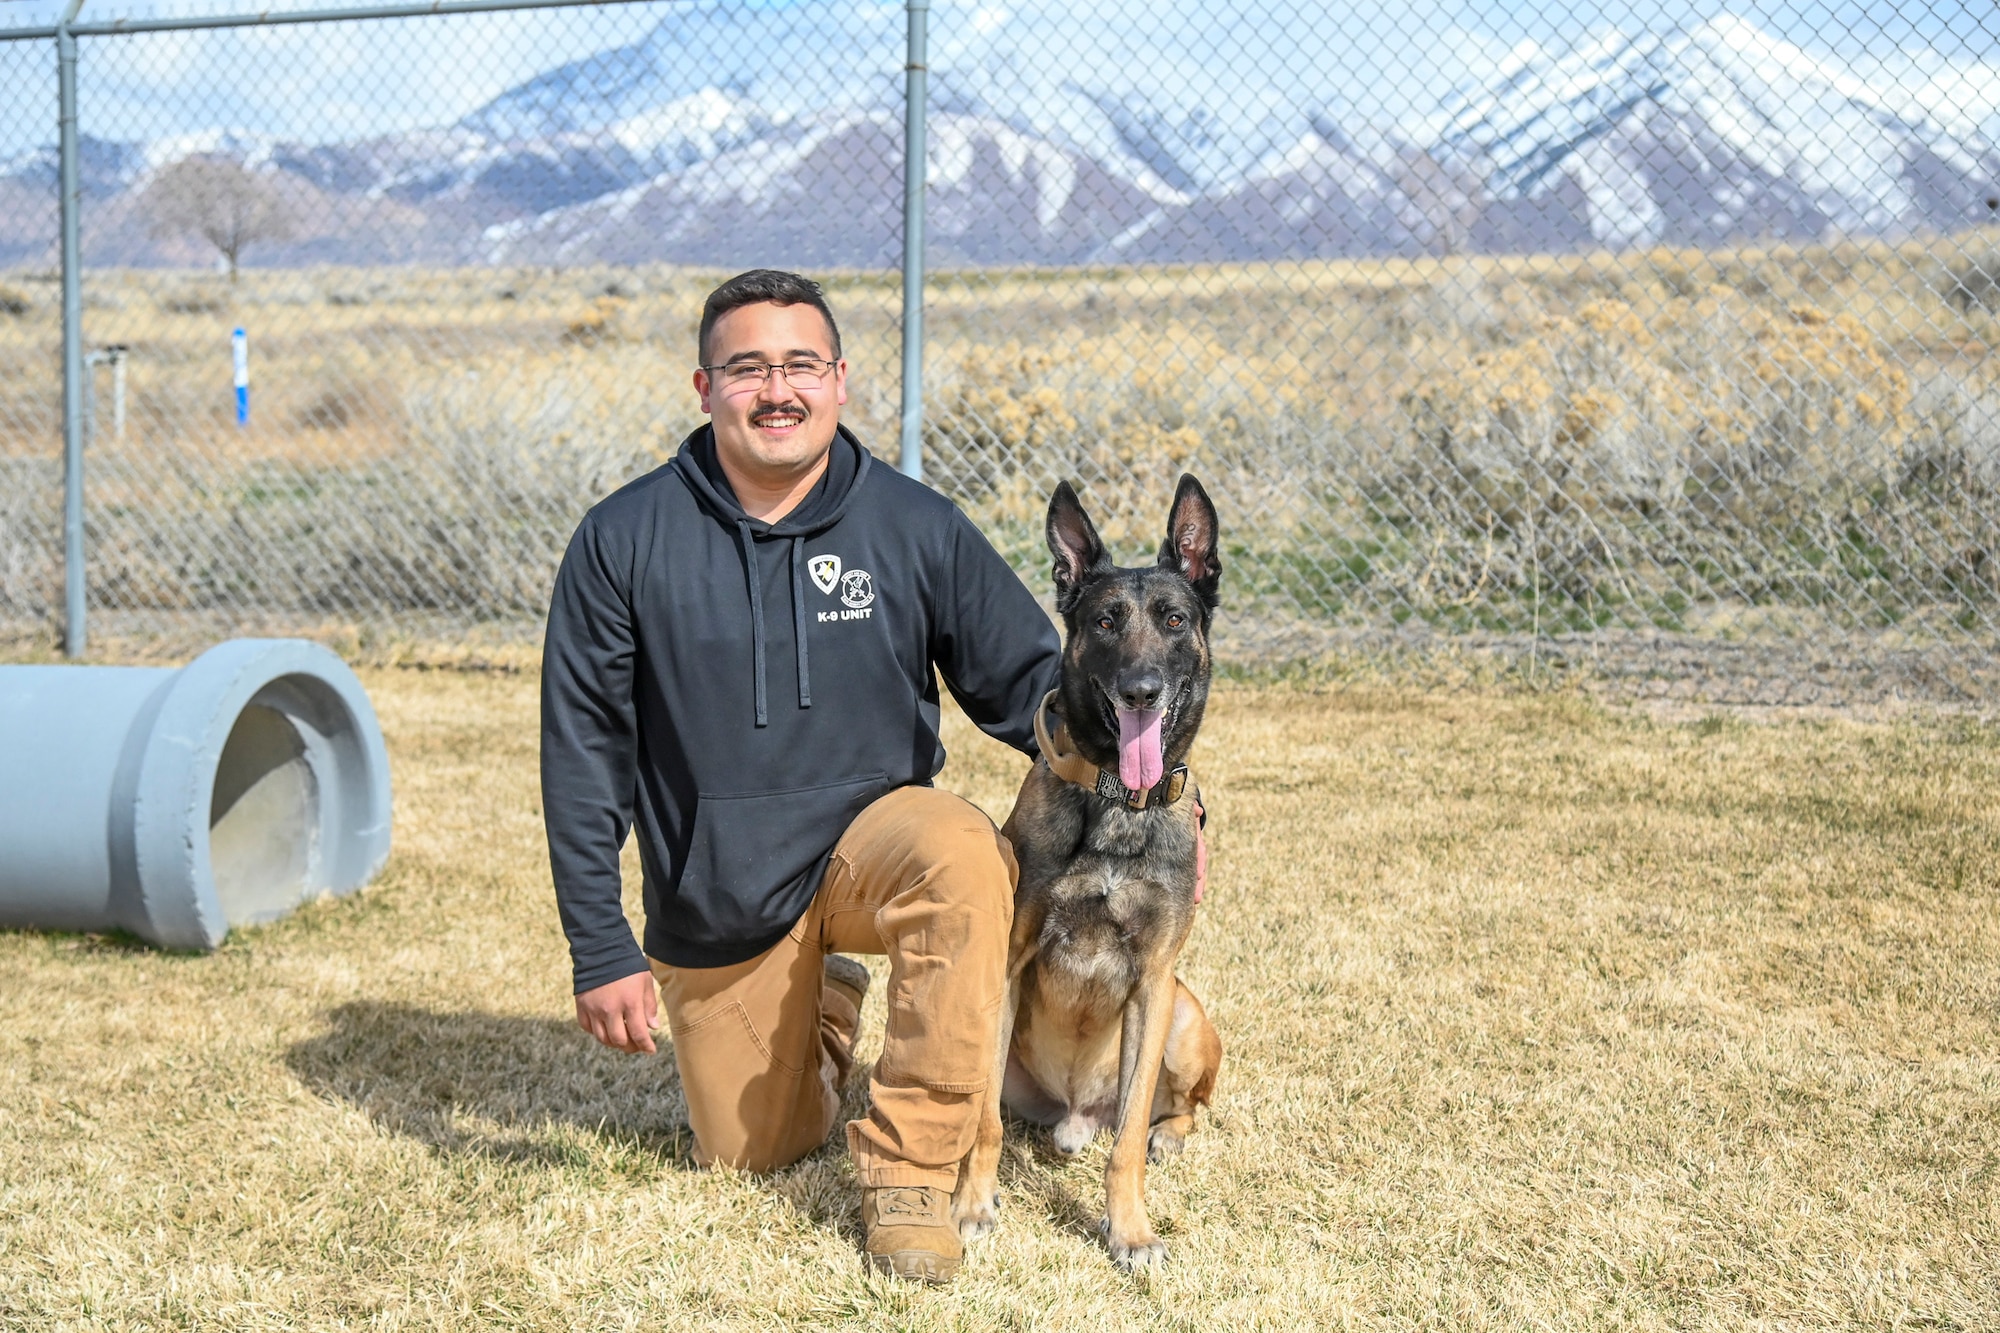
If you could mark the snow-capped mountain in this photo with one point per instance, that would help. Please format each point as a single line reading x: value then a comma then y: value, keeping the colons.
x: 726, y: 135
x: 1696, y: 136
x: 1704, y: 135
x: 830, y: 192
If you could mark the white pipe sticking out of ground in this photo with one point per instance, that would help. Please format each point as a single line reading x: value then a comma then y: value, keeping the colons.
x: 176, y: 803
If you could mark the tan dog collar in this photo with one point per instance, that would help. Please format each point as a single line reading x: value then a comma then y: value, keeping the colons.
x: 1073, y: 768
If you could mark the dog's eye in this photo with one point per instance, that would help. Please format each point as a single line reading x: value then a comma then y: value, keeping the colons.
x: 1176, y: 620
x: 1105, y: 622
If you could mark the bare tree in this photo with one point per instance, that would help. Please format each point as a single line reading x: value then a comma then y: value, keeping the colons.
x: 220, y: 200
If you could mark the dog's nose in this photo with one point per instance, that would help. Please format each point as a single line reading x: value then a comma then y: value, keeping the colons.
x: 1140, y: 689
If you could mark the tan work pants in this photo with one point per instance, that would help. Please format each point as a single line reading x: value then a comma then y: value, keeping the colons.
x: 763, y: 1046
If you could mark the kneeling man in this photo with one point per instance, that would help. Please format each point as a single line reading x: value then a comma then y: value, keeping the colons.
x: 742, y: 660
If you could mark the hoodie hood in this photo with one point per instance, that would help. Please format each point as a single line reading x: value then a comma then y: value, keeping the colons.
x: 847, y: 465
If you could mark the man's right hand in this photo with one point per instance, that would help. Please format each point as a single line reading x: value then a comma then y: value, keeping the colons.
x: 621, y: 1013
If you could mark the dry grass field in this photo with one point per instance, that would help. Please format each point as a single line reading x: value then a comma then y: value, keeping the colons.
x: 1537, y: 1016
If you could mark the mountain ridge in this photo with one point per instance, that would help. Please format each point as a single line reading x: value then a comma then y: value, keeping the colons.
x: 697, y: 145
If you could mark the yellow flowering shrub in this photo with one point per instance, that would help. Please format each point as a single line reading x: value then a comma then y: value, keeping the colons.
x: 1121, y: 412
x: 1607, y: 409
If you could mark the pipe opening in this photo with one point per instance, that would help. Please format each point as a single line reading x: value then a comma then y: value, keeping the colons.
x: 263, y: 818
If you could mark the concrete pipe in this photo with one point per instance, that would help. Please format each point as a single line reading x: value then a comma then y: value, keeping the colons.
x: 176, y: 803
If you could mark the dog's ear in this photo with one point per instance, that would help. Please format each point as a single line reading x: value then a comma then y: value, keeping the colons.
x: 1191, y: 548
x: 1074, y: 544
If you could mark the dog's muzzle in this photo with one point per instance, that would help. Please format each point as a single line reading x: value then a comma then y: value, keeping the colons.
x: 1073, y: 768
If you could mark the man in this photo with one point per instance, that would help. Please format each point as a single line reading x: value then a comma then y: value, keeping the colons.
x: 739, y: 663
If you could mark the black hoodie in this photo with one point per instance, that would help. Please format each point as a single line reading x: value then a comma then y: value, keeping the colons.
x: 741, y: 690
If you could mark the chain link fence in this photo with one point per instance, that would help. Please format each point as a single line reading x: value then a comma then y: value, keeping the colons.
x: 1634, y: 341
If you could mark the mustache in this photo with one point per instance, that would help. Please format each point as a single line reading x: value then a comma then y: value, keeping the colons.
x: 778, y: 410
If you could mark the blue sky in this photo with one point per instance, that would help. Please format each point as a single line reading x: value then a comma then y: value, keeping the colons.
x: 342, y: 81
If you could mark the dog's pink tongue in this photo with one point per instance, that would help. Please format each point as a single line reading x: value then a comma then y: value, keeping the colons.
x: 1141, y: 762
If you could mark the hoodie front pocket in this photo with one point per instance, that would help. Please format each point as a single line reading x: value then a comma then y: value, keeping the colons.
x: 756, y: 858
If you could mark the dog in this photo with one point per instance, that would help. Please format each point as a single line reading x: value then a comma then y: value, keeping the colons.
x: 1096, y: 1031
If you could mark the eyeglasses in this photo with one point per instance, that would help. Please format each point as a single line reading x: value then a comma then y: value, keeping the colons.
x: 803, y: 372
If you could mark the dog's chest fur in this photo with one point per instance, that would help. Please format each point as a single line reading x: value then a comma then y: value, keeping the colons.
x: 1122, y: 896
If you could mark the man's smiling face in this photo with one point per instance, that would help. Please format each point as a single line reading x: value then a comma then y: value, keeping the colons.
x: 774, y: 427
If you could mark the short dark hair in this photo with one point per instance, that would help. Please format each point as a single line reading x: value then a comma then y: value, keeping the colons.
x: 764, y: 286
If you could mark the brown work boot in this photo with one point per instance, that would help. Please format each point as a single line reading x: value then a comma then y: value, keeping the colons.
x: 848, y: 976
x: 844, y: 984
x: 909, y: 1232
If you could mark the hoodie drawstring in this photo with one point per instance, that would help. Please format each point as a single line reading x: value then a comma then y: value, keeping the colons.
x: 756, y: 577
x: 799, y: 619
x: 756, y: 613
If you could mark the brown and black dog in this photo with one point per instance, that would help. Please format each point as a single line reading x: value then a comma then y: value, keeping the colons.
x: 1097, y: 1032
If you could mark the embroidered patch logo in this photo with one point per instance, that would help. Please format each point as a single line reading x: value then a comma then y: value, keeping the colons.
x: 857, y: 589
x: 825, y: 571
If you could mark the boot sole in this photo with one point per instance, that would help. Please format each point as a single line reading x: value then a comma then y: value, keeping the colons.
x: 916, y: 1265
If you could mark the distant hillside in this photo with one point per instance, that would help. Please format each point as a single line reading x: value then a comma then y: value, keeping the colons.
x: 701, y: 144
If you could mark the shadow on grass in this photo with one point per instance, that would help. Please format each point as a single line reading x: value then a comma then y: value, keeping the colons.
x: 1033, y: 1171
x: 532, y: 1090
x: 537, y: 1091
x: 112, y: 941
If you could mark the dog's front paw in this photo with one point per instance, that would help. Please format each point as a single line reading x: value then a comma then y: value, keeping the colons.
x: 976, y: 1217
x: 1142, y: 1249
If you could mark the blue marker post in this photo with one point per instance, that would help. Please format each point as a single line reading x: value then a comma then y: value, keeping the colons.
x: 240, y: 344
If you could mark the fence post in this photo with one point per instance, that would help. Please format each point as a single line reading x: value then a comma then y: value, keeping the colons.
x: 72, y: 337
x: 915, y: 157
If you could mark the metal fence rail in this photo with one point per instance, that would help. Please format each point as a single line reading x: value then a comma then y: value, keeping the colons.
x: 1635, y: 341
